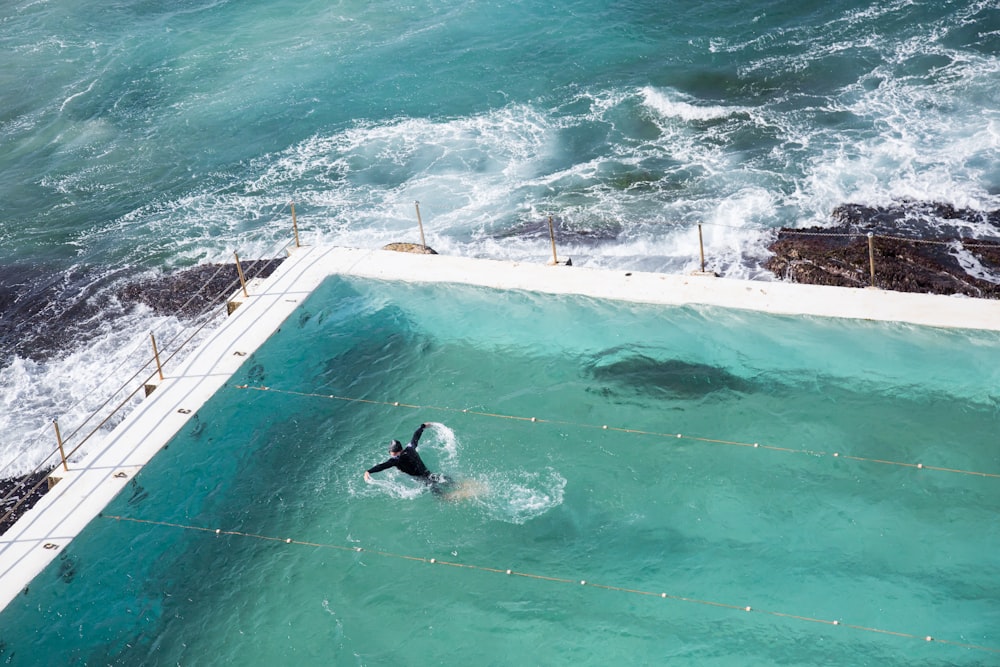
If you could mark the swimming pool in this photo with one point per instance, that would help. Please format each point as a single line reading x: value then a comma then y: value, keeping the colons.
x: 624, y: 544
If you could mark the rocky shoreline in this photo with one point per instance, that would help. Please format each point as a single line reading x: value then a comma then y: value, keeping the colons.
x: 192, y: 291
x: 910, y: 251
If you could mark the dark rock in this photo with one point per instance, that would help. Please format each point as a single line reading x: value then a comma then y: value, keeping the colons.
x: 191, y: 291
x: 910, y: 214
x: 20, y: 495
x: 910, y: 252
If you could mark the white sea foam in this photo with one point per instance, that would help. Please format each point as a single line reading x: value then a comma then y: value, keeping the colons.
x: 971, y: 265
x: 72, y: 97
x: 475, y: 174
x: 675, y: 106
x: 487, y: 172
x: 80, y: 389
x: 461, y: 170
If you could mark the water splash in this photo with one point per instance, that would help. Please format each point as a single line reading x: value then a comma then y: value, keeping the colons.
x: 443, y: 440
x: 519, y: 496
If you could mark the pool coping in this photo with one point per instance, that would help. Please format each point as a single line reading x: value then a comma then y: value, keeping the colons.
x: 83, y: 492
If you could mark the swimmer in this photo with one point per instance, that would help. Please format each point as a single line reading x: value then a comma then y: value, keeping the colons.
x: 405, y: 459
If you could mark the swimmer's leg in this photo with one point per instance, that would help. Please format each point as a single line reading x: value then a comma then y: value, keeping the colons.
x: 440, y: 485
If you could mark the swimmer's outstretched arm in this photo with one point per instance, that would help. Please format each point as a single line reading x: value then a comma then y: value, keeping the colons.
x: 416, y: 435
x: 379, y: 468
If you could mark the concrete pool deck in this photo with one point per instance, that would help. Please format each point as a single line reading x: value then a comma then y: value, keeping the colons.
x: 84, y: 491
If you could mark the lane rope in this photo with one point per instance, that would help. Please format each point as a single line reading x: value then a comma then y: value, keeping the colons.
x: 558, y: 580
x: 632, y: 431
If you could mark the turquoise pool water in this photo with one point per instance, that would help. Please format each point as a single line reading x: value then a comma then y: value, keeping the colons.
x: 893, y: 553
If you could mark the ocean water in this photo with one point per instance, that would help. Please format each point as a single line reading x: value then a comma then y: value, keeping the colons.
x: 140, y: 137
x: 313, y: 566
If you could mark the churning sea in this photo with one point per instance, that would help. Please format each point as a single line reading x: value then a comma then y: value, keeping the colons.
x: 138, y: 137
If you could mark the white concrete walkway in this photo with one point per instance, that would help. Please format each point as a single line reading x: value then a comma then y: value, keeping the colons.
x: 657, y: 288
x: 43, y: 532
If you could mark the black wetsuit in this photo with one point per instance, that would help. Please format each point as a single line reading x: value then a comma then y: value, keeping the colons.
x: 408, y: 460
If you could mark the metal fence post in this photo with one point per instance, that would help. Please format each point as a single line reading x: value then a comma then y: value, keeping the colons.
x: 156, y: 355
x: 420, y: 222
x: 701, y: 248
x: 552, y: 237
x: 871, y: 255
x: 243, y: 279
x: 62, y: 454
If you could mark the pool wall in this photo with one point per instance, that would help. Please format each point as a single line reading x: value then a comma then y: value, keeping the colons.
x: 90, y: 484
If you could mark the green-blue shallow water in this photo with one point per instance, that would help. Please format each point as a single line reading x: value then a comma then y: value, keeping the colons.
x: 801, y: 536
